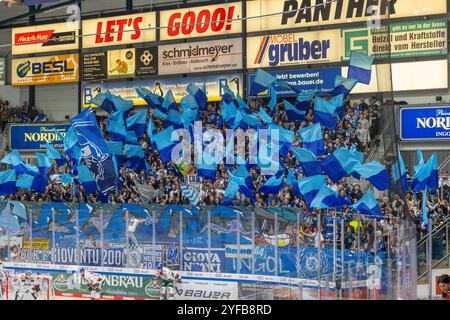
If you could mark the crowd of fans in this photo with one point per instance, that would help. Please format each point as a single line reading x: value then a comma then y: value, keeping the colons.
x: 10, y: 114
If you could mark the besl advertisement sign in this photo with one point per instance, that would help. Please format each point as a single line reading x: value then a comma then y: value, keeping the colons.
x: 121, y: 30
x: 45, y: 70
x: 215, y: 85
x: 265, y: 15
x: 33, y: 137
x: 427, y: 123
x: 45, y: 38
x: 293, y: 49
x: 201, y: 21
x: 407, y: 39
x: 217, y: 55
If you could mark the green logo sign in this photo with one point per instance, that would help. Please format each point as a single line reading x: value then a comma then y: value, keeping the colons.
x: 357, y: 40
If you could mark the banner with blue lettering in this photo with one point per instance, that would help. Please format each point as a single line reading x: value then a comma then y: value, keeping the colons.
x: 302, y: 80
x: 33, y: 137
x: 426, y: 123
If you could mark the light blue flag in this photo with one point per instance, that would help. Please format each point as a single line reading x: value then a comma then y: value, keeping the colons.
x: 208, y: 166
x: 325, y: 113
x: 339, y: 164
x: 343, y: 86
x: 150, y: 128
x: 72, y: 146
x: 231, y: 190
x: 13, y: 158
x: 420, y: 160
x: 303, y: 101
x: 264, y: 116
x: 87, y: 179
x: 44, y: 163
x: 242, y: 105
x: 424, y: 208
x: 273, y: 98
x: 52, y: 153
x: 116, y: 126
x: 25, y: 181
x: 8, y: 182
x: 327, y: 198
x: 368, y: 205
x: 164, y: 143
x: 250, y: 120
x: 175, y: 119
x: 152, y: 99
x: 292, y: 113
x: 135, y: 157
x: 290, y: 178
x: 360, y: 67
x: 309, y: 187
x: 312, y: 138
x: 308, y: 161
x: 427, y: 176
x: 284, y: 135
x: 101, y: 101
x: 228, y: 95
x: 356, y: 154
x: 169, y: 102
x: 116, y: 148
x: 131, y: 138
x: 119, y: 103
x: 228, y: 113
x: 261, y: 82
x: 375, y: 172
x: 136, y: 123
x: 198, y: 94
x: 400, y: 177
x: 159, y: 114
x: 273, y: 185
x: 66, y: 178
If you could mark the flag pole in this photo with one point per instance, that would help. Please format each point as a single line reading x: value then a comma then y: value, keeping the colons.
x: 430, y: 260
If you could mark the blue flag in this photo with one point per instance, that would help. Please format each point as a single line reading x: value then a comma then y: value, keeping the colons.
x: 309, y: 187
x: 343, y: 86
x: 264, y: 116
x: 52, y: 153
x: 8, y: 182
x: 208, y: 166
x: 308, y: 162
x: 360, y: 67
x: 71, y: 146
x: 424, y: 208
x: 312, y: 138
x: 15, y: 160
x: 119, y: 103
x: 135, y: 157
x: 273, y: 98
x: 292, y: 113
x: 136, y: 123
x: 427, y: 176
x: 327, y: 198
x: 325, y: 113
x: 339, y: 164
x: 399, y: 175
x: 368, y: 205
x: 261, y: 82
x: 44, y: 163
x: 116, y: 126
x: 116, y: 148
x: 169, y: 102
x: 164, y: 143
x: 420, y: 160
x: 273, y: 185
x: 87, y: 179
x: 375, y: 172
x: 101, y: 101
x: 154, y: 101
x: 303, y: 101
x: 199, y: 95
x: 150, y: 128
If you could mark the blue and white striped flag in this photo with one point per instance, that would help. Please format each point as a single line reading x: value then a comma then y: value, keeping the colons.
x: 191, y: 194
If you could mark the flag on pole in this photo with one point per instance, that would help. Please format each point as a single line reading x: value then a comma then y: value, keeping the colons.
x: 424, y: 208
x: 199, y: 95
x: 339, y: 164
x: 427, y: 176
x: 292, y: 113
x: 400, y: 178
x: 303, y: 101
x: 116, y: 148
x: 273, y: 185
x: 309, y: 187
x: 368, y: 205
x: 135, y: 157
x: 325, y: 112
x: 308, y: 162
x: 327, y: 198
x: 136, y: 123
x: 169, y: 102
x: 152, y: 99
x: 343, y: 86
x: 52, y: 153
x: 312, y: 138
x: 273, y: 98
x: 261, y: 82
x: 44, y: 163
x: 360, y: 67
x: 164, y: 143
x: 264, y: 116
x: 375, y: 172
x: 119, y: 103
x: 8, y: 182
x: 87, y: 179
x: 116, y: 126
x: 102, y: 102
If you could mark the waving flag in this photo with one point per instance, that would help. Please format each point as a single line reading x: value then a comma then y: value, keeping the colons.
x: 424, y: 208
x: 119, y: 103
x: 102, y: 102
x: 261, y: 82
x: 343, y: 86
x: 327, y: 198
x: 360, y: 67
x: 242, y: 179
x: 228, y: 95
x: 309, y: 187
x: 8, y: 182
x: 368, y: 205
x: 264, y: 116
x: 242, y: 105
x: 228, y: 113
x: 164, y: 143
x: 95, y: 151
x: 273, y: 185
x: 273, y: 98
x: 400, y: 177
x: 52, y: 153
x: 25, y: 181
x: 116, y: 148
x: 208, y: 166
x: 153, y: 100
x: 174, y: 119
x: 191, y: 194
x: 71, y: 146
x: 116, y: 126
x: 199, y: 95
x: 325, y: 113
x: 420, y: 160
x: 15, y: 160
x: 290, y: 178
x: 87, y: 179
x: 250, y: 120
x: 308, y: 162
x: 136, y: 123
x: 135, y: 157
x: 231, y: 190
x: 169, y: 102
x: 292, y: 113
x: 340, y: 164
x: 150, y: 128
x: 375, y: 172
x: 44, y: 163
x: 312, y: 138
x: 427, y: 176
x: 303, y: 101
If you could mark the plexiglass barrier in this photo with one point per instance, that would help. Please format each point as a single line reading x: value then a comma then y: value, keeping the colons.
x: 278, y: 250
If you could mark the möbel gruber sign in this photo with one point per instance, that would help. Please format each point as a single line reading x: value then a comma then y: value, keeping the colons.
x: 264, y: 15
x: 120, y: 30
x: 427, y: 123
x: 33, y: 137
x: 62, y: 68
x: 217, y: 55
x: 201, y: 21
x: 294, y: 49
x: 407, y: 39
x: 45, y: 38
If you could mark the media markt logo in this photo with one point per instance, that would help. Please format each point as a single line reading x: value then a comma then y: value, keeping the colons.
x: 356, y: 40
x: 23, y: 69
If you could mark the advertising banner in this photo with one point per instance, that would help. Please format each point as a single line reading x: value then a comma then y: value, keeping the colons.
x: 120, y: 30
x: 33, y: 137
x: 408, y: 39
x: 45, y: 38
x: 201, y: 21
x: 293, y: 49
x: 427, y: 123
x: 302, y: 80
x: 45, y: 70
x: 265, y: 15
x: 127, y: 90
x: 117, y: 64
x: 2, y: 71
x: 205, y: 56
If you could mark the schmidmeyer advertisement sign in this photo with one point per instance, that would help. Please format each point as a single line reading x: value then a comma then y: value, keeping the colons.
x: 301, y: 13
x: 217, y: 55
x: 408, y: 39
x: 201, y: 21
x: 429, y: 123
x: 113, y: 31
x: 45, y: 38
x: 294, y: 49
